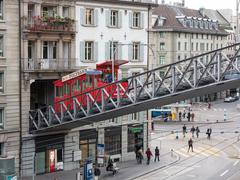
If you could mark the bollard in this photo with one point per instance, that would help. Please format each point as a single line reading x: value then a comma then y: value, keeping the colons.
x: 171, y: 152
x: 79, y: 176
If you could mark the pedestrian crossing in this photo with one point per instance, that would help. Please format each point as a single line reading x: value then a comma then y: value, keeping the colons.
x: 212, y: 109
x: 198, y: 150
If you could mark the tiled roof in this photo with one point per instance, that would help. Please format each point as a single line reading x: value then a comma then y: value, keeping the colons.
x: 172, y: 23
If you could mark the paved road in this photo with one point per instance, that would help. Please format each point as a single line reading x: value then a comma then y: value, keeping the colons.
x: 214, y: 159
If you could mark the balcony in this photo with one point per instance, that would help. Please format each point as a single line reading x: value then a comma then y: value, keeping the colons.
x: 48, y: 65
x: 47, y: 24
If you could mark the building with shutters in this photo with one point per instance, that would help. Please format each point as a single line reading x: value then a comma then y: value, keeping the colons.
x: 109, y: 30
x: 51, y: 50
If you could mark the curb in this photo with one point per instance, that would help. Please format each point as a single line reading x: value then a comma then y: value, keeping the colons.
x: 156, y: 169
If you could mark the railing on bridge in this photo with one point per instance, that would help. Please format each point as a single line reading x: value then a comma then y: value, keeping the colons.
x: 188, y: 74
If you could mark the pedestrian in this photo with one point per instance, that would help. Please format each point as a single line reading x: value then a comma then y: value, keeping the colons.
x: 156, y: 154
x: 190, y: 144
x: 208, y: 133
x: 197, y: 131
x: 180, y: 116
x: 209, y: 105
x: 192, y: 115
x: 184, y: 128
x: 152, y: 126
x: 149, y: 154
x: 188, y: 116
x: 184, y: 114
x: 193, y: 131
x: 97, y: 173
x: 139, y: 156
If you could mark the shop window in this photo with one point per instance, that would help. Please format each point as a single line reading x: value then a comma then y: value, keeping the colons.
x: 113, y: 144
x: 135, y: 138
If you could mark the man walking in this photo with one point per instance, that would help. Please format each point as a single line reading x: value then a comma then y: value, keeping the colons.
x: 156, y: 154
x: 192, y: 131
x: 197, y: 131
x: 149, y: 154
x: 188, y: 116
x: 192, y: 115
x: 184, y: 128
x: 190, y: 144
x: 180, y: 116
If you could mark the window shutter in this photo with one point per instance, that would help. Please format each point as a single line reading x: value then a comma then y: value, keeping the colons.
x: 95, y: 17
x: 82, y: 16
x: 95, y: 51
x: 130, y: 49
x: 120, y: 52
x: 130, y: 19
x: 107, y: 50
x: 141, y: 52
x: 107, y: 17
x: 119, y: 19
x: 82, y: 51
x: 142, y: 20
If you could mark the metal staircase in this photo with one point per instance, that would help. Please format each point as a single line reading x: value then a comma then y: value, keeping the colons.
x: 192, y: 77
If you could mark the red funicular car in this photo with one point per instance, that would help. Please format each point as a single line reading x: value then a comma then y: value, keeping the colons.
x: 85, y: 80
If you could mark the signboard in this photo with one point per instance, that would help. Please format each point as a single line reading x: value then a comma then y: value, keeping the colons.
x: 100, y: 150
x: 12, y: 177
x: 88, y: 170
x: 77, y: 155
x: 74, y: 74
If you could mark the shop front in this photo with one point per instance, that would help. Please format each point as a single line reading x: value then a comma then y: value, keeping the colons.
x: 49, y: 153
x: 88, y: 145
x: 135, y: 137
x: 113, y: 143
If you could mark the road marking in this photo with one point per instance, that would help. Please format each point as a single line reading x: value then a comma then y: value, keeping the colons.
x: 225, y: 172
x: 191, y: 175
x: 201, y: 151
x: 236, y: 163
x: 182, y: 153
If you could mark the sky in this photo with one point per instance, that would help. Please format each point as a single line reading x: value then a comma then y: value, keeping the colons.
x: 208, y: 4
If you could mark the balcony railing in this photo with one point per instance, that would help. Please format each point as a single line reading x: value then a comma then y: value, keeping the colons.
x: 49, y: 64
x: 50, y: 24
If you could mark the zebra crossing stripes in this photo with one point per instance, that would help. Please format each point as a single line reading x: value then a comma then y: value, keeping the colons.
x: 212, y: 109
x: 198, y: 151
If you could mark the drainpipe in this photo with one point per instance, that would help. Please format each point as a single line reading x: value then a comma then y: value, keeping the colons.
x: 149, y: 8
x: 20, y: 87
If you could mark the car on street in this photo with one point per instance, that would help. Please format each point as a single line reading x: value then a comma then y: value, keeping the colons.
x: 231, y: 99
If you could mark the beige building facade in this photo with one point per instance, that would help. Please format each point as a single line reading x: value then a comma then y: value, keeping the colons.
x: 9, y: 81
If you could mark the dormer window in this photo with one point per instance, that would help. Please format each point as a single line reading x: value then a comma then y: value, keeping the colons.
x: 200, y: 24
x: 210, y: 25
x: 195, y: 24
x: 206, y: 25
x: 161, y: 20
x: 215, y: 25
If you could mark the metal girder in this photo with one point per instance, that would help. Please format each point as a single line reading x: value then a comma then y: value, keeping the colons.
x: 179, y: 77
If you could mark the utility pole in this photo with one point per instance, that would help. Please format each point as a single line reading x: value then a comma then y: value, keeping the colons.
x: 237, y: 16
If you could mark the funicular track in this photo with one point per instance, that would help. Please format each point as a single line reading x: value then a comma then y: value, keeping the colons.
x: 192, y: 77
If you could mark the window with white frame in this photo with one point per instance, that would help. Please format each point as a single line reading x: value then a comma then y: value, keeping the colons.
x: 89, y: 17
x: 162, y: 60
x: 49, y: 11
x: 89, y: 50
x: 1, y: 10
x: 65, y: 11
x: 114, y: 45
x: 113, y: 18
x: 1, y: 82
x: 1, y: 45
x: 136, y: 19
x: 136, y: 51
x: 162, y: 46
x: 1, y: 116
x: 30, y: 14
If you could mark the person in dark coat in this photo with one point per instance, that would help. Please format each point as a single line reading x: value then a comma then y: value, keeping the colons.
x: 190, y: 144
x: 188, y: 116
x: 157, y: 153
x: 180, y: 116
x: 149, y: 154
x: 184, y: 129
x: 197, y: 131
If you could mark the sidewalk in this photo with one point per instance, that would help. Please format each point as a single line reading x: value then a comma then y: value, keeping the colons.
x: 128, y: 170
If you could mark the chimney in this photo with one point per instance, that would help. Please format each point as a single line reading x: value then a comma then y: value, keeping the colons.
x: 183, y: 3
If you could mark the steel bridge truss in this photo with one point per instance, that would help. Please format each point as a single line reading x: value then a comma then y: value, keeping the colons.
x: 187, y: 74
